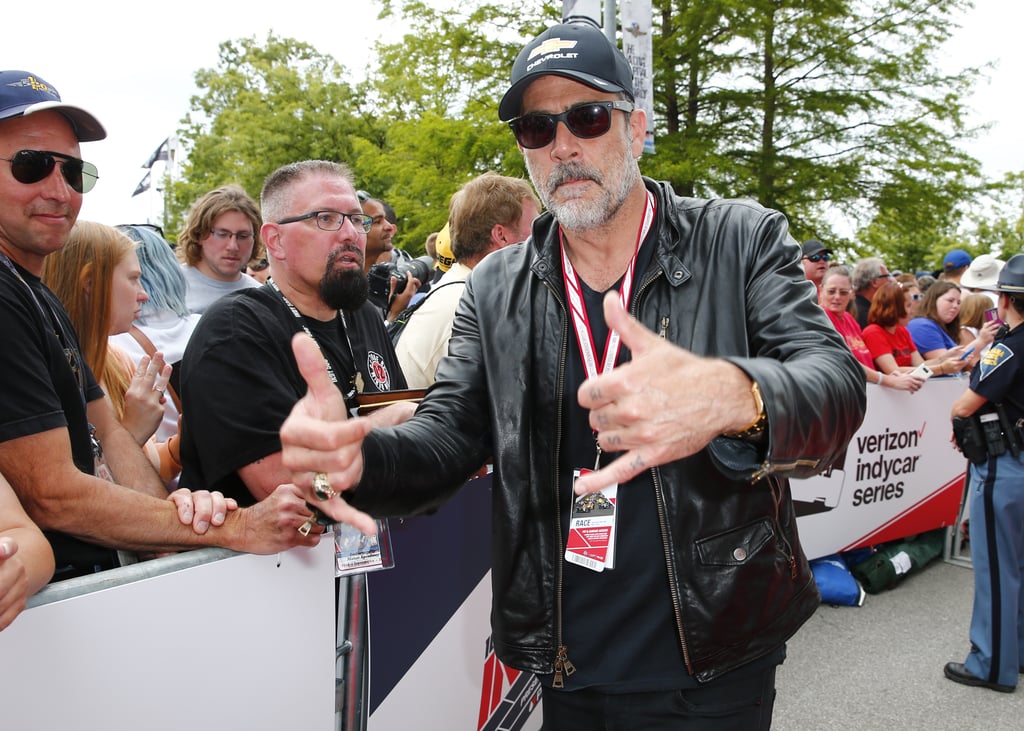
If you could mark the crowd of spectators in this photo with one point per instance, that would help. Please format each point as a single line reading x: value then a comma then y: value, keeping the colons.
x: 895, y: 322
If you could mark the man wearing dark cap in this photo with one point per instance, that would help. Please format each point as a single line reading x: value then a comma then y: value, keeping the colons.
x: 992, y: 409
x: 645, y: 562
x: 53, y: 417
x: 815, y: 260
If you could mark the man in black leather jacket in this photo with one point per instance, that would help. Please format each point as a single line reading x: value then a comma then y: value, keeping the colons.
x: 728, y: 381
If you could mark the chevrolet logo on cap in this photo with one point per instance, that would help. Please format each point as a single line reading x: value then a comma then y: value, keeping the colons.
x: 551, y: 45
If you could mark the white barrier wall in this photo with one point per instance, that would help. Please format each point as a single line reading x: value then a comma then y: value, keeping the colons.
x: 901, y: 475
x: 248, y: 642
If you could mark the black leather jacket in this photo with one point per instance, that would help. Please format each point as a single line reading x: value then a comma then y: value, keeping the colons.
x: 726, y: 281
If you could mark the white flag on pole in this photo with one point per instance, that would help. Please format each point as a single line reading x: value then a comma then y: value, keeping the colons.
x: 636, y: 44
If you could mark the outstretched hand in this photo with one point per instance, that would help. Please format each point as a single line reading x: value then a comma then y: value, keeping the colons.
x: 318, y: 437
x: 664, y: 404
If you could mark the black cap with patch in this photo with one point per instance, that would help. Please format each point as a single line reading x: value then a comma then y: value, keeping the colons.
x: 578, y: 51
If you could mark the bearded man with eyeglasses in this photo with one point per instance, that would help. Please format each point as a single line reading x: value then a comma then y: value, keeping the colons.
x: 240, y: 354
x: 220, y: 237
x: 687, y: 421
x: 79, y: 474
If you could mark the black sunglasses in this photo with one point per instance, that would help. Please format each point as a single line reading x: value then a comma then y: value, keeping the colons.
x: 31, y: 166
x: 819, y: 257
x: 586, y: 121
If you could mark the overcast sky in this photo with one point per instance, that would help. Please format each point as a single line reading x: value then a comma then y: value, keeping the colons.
x: 139, y: 83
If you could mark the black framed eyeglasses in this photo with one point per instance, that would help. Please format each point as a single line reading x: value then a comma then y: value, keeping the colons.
x: 333, y: 220
x: 818, y: 257
x: 586, y: 121
x: 222, y: 234
x: 31, y: 166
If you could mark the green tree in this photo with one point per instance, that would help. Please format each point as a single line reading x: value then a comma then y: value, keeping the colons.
x: 263, y: 106
x: 441, y: 122
x: 833, y: 112
x: 1001, y: 231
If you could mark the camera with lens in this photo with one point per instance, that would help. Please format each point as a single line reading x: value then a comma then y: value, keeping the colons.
x: 380, y: 273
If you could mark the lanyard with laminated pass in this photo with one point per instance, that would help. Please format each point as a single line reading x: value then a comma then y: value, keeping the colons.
x: 578, y: 311
x: 591, y: 539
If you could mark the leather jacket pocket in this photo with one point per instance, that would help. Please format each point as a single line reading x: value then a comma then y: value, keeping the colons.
x: 735, y: 547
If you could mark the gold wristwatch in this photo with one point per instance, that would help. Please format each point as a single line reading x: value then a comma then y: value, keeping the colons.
x: 757, y: 425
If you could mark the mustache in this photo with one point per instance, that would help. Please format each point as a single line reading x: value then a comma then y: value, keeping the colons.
x: 567, y: 171
x: 54, y: 210
x: 338, y: 252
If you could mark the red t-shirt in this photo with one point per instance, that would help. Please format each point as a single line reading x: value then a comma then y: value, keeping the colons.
x: 846, y: 326
x: 898, y: 344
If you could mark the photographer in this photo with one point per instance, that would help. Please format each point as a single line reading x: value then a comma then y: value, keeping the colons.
x: 391, y: 297
x: 396, y: 279
x: 986, y: 421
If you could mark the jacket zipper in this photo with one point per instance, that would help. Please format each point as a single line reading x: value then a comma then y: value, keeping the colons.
x: 776, y: 490
x: 659, y: 499
x: 563, y: 666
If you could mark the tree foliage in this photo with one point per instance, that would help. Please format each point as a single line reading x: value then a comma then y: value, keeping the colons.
x: 1002, y: 230
x: 835, y: 112
x: 266, y: 105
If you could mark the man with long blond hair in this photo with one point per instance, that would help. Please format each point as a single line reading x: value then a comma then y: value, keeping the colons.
x: 488, y: 213
x: 220, y: 237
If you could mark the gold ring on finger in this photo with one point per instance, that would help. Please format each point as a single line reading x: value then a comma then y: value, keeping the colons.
x: 322, y: 487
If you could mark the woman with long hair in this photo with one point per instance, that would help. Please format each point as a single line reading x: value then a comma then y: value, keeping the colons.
x: 936, y: 329
x: 973, y: 307
x: 888, y: 339
x: 96, y: 275
x: 165, y: 323
x: 835, y: 296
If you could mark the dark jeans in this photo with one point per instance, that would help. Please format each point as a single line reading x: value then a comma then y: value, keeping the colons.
x: 736, y: 701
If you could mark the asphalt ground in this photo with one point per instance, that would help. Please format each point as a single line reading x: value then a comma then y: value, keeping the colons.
x: 879, y: 666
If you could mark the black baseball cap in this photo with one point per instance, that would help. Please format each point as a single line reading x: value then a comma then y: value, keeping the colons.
x: 23, y: 93
x: 577, y: 50
x: 813, y: 246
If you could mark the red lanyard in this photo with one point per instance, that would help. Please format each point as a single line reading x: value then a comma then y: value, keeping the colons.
x: 578, y: 312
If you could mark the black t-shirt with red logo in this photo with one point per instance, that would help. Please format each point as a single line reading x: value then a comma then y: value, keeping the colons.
x: 239, y: 380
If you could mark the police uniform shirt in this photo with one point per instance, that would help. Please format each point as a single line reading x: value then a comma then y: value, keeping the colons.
x: 998, y: 376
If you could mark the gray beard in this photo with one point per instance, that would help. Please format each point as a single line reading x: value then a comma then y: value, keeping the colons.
x: 583, y: 215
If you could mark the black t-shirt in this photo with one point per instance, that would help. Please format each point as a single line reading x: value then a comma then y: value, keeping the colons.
x: 46, y: 385
x: 618, y: 624
x: 239, y: 380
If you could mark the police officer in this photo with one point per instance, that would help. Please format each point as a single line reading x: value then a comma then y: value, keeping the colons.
x: 995, y: 404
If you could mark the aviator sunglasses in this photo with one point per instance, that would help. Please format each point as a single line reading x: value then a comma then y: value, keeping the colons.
x: 586, y: 121
x: 31, y: 166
